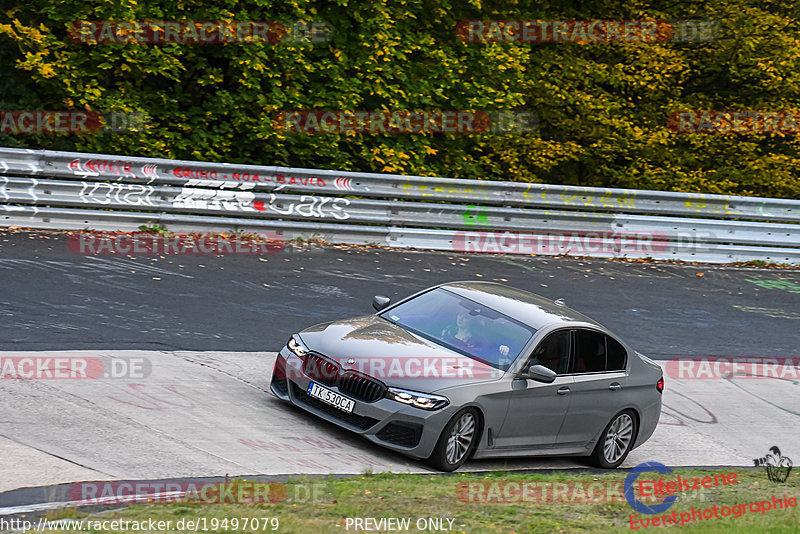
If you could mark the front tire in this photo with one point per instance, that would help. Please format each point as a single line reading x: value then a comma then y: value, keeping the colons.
x: 459, y: 438
x: 615, y: 442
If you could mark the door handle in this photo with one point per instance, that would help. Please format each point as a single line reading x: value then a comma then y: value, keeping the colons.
x: 614, y: 387
x: 562, y: 390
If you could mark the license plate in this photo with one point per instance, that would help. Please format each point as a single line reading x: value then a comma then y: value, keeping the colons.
x: 331, y: 397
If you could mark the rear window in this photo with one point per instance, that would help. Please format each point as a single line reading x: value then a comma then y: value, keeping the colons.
x: 595, y: 353
x: 590, y: 352
x: 616, y: 355
x: 463, y: 325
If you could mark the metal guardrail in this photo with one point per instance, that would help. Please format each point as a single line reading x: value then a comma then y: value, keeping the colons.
x: 46, y: 189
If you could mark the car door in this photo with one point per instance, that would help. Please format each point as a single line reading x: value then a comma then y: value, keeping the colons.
x: 536, y: 410
x: 598, y: 390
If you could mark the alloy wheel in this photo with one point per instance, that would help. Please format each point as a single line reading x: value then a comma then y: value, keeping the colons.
x: 460, y: 438
x: 618, y: 438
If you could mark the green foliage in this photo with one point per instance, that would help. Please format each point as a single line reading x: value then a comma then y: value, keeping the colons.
x: 602, y: 107
x: 154, y: 229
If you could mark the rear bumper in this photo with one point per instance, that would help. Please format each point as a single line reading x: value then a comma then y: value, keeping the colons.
x: 649, y: 421
x: 410, y: 431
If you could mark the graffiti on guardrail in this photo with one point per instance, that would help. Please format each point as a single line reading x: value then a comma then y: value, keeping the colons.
x: 214, y: 199
x: 29, y: 189
x: 306, y: 180
x: 702, y: 206
x: 105, y: 193
x: 186, y: 172
x: 476, y: 215
x: 586, y: 197
x: 111, y: 167
x: 206, y: 176
x: 245, y: 189
x: 228, y: 200
x: 306, y: 206
x: 443, y: 191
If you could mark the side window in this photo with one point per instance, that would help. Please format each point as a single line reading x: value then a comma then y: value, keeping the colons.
x: 552, y: 352
x: 617, y: 355
x: 590, y: 352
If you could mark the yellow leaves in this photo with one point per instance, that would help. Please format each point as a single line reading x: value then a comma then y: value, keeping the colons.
x: 8, y: 30
x: 430, y: 150
x: 47, y: 70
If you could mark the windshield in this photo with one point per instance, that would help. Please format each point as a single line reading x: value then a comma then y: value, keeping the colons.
x: 463, y: 325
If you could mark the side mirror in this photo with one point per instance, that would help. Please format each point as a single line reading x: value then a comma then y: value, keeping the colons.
x: 540, y: 373
x: 379, y: 302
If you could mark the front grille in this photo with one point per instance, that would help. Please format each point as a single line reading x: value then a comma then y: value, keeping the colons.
x: 321, y: 369
x: 358, y: 421
x: 403, y: 434
x: 360, y: 387
x: 350, y: 383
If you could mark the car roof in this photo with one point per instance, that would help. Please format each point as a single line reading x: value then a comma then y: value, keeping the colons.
x: 529, y: 308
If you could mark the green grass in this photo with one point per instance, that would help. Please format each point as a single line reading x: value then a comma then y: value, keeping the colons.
x: 416, y: 496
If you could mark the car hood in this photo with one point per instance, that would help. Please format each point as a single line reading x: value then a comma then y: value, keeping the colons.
x: 395, y: 356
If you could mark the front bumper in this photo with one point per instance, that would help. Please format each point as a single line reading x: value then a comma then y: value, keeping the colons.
x: 402, y: 428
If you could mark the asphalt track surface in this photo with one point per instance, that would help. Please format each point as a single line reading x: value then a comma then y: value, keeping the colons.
x: 52, y: 299
x: 208, y: 326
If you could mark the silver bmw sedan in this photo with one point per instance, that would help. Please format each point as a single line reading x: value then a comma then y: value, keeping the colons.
x: 475, y: 369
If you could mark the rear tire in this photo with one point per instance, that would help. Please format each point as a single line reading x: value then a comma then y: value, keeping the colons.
x: 616, y: 441
x: 457, y: 442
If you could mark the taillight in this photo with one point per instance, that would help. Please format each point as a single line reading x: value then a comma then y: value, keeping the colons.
x: 660, y: 385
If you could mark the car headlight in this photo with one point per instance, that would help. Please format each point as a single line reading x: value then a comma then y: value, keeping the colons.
x: 297, y: 346
x: 426, y: 401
